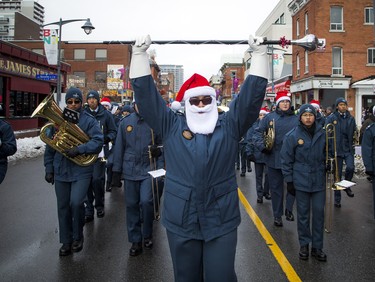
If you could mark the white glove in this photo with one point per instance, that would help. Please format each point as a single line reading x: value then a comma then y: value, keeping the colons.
x: 259, y: 59
x: 140, y: 65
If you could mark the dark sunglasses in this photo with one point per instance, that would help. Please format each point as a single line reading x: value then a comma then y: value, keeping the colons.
x: 69, y: 102
x: 206, y: 100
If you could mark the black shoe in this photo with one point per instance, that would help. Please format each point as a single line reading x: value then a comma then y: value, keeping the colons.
x: 267, y: 196
x: 278, y: 221
x: 369, y: 178
x: 100, y: 213
x: 136, y: 249
x: 77, y: 245
x: 260, y: 200
x: 89, y: 218
x: 289, y: 215
x: 349, y: 192
x: 108, y: 188
x: 65, y: 250
x: 304, y: 252
x: 318, y: 254
x: 337, y: 205
x: 148, y: 243
x: 249, y: 170
x: 238, y: 168
x: 242, y: 174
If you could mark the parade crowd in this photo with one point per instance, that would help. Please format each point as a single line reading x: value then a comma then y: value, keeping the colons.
x: 196, y: 147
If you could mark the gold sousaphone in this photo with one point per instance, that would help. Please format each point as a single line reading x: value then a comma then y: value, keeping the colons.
x: 67, y: 136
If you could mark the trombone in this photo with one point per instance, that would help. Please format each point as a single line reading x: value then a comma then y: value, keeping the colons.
x: 332, y: 174
x: 154, y: 186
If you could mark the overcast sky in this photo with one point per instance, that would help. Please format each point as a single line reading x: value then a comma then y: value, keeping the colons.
x: 166, y: 20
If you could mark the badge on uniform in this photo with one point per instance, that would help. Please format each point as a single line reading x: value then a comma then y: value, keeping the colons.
x: 129, y: 128
x: 71, y: 115
x: 335, y: 122
x: 300, y: 141
x: 187, y: 134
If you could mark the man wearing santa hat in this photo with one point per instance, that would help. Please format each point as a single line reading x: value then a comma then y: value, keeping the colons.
x: 201, y: 205
x: 282, y: 120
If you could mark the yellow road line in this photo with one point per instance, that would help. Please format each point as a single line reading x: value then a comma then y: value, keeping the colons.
x: 271, y: 243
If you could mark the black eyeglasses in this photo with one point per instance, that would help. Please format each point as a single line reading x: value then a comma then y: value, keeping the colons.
x: 206, y: 100
x: 69, y: 102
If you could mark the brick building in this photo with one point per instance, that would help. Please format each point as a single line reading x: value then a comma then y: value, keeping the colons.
x: 345, y: 66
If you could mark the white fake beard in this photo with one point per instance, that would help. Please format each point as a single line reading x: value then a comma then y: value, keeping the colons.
x: 201, y: 120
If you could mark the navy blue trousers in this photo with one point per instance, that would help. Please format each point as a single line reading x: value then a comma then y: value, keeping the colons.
x: 310, y: 206
x: 276, y: 182
x: 70, y: 208
x: 197, y: 260
x: 139, y: 204
x: 349, y: 171
x: 96, y: 188
x: 261, y: 172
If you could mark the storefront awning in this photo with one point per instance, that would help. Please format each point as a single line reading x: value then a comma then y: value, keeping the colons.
x: 279, y: 87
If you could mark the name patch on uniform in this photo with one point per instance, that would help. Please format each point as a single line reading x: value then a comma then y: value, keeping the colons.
x: 300, y: 142
x: 187, y: 134
x: 129, y: 128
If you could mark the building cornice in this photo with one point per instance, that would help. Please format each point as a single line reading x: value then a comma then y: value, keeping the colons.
x: 296, y: 5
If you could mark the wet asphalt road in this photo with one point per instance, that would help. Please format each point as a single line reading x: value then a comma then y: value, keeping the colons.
x: 29, y: 240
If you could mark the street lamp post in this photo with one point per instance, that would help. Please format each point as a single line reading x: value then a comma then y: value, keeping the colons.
x: 87, y: 27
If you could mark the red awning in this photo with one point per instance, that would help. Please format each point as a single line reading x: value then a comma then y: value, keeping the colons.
x: 279, y: 87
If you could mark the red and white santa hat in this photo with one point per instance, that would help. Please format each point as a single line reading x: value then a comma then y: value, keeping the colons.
x: 282, y: 95
x: 195, y: 86
x: 106, y: 102
x: 264, y: 111
x: 315, y: 103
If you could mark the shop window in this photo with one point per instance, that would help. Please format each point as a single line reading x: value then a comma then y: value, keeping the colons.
x: 2, y: 97
x: 21, y: 104
x: 101, y: 76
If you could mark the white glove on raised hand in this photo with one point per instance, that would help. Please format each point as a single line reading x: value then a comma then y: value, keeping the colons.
x: 140, y: 65
x: 259, y: 59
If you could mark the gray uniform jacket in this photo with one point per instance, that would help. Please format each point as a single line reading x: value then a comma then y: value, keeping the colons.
x: 200, y: 193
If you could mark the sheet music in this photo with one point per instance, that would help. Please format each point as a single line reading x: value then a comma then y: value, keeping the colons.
x: 343, y: 184
x: 157, y: 173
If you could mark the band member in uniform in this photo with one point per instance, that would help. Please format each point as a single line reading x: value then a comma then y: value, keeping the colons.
x: 256, y: 156
x: 320, y: 119
x: 131, y: 160
x: 201, y: 206
x: 345, y: 126
x: 281, y: 120
x: 72, y: 180
x: 303, y: 166
x: 107, y: 124
x: 368, y: 154
x: 8, y: 147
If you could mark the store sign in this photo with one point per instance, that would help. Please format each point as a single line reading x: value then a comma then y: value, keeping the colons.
x: 15, y: 67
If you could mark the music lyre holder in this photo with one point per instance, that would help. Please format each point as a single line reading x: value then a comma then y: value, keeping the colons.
x: 310, y: 42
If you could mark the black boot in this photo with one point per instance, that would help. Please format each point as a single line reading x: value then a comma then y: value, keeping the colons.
x: 318, y: 254
x: 136, y: 249
x: 304, y: 252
